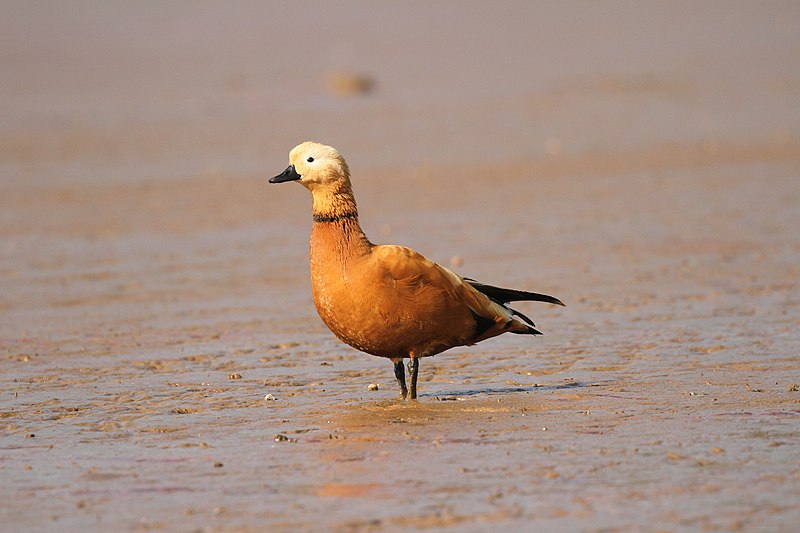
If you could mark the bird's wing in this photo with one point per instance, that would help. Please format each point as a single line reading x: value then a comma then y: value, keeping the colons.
x: 407, y: 266
x: 416, y: 274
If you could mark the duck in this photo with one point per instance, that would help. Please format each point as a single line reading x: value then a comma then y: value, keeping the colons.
x: 388, y: 300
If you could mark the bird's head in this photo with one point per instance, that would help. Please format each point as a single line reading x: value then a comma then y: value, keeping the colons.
x: 315, y: 166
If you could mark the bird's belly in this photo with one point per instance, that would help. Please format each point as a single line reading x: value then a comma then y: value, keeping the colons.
x: 378, y: 321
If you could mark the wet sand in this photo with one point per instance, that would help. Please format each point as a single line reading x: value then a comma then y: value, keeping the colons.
x: 155, y: 289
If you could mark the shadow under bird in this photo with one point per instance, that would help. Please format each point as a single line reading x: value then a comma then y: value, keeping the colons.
x: 388, y: 300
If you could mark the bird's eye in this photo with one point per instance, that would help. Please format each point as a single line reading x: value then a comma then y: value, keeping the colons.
x: 310, y: 159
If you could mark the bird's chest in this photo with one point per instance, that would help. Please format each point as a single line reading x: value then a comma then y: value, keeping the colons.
x: 346, y: 305
x: 333, y: 289
x: 341, y: 286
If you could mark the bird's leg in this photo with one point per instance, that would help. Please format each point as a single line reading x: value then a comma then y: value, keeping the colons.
x: 413, y: 367
x: 400, y: 374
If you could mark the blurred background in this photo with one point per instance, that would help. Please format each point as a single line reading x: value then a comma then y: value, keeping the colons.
x: 638, y: 160
x: 119, y: 90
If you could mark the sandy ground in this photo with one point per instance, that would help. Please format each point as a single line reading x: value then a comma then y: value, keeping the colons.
x: 641, y: 163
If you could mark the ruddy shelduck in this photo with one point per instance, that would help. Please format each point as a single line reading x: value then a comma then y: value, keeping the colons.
x: 388, y: 300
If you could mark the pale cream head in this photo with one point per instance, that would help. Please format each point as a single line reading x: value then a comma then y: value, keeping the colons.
x: 319, y: 165
x: 323, y: 171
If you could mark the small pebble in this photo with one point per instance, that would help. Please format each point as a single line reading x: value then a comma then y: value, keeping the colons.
x: 372, y: 386
x: 792, y: 387
x: 218, y: 465
x: 270, y: 398
x: 234, y: 376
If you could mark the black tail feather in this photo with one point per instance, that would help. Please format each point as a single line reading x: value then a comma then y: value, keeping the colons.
x: 530, y: 331
x: 504, y: 296
x: 523, y: 317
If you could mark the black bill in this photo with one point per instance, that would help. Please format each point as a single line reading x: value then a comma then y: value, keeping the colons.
x: 290, y: 174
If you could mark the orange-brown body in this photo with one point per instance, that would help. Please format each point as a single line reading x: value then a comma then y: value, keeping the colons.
x: 387, y: 300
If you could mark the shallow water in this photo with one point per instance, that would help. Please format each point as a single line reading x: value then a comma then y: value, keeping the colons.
x: 154, y: 289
